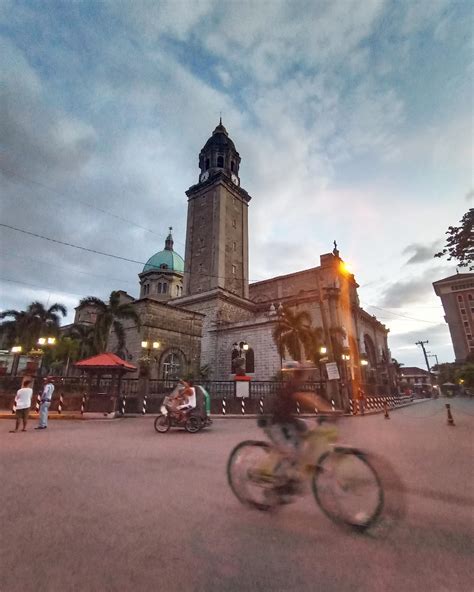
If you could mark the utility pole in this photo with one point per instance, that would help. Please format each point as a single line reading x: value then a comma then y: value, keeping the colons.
x: 422, y: 345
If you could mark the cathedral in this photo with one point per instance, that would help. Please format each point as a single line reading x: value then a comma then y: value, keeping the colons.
x: 201, y: 317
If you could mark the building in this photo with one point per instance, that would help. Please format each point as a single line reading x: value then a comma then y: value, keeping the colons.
x: 204, y: 312
x: 457, y: 296
x: 416, y: 379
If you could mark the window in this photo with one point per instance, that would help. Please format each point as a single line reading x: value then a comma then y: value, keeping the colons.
x: 159, y: 288
x: 463, y: 311
x: 165, y: 288
x: 177, y: 290
x: 220, y: 161
x: 208, y: 163
x: 146, y: 289
x: 469, y: 296
x: 234, y: 246
x: 460, y: 297
x: 234, y: 269
x: 163, y: 266
x: 466, y: 323
x: 171, y: 366
x: 232, y: 166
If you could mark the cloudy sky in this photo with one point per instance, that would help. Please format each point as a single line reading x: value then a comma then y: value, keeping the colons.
x: 353, y: 120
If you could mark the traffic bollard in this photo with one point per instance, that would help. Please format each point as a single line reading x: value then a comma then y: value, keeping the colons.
x: 450, y: 417
x: 60, y: 404
x: 243, y: 406
x: 122, y: 409
x: 83, y: 404
x: 223, y: 406
x: 144, y: 406
x: 261, y: 405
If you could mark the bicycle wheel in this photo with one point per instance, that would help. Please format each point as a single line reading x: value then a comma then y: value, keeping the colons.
x: 248, y: 475
x: 347, y: 488
x: 162, y: 423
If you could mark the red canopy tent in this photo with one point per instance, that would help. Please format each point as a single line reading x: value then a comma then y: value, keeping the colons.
x: 106, y: 366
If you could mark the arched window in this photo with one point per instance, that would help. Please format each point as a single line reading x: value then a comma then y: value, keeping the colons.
x: 370, y: 350
x: 160, y: 287
x: 220, y: 161
x: 172, y: 365
x: 165, y: 288
x: 232, y: 165
x: 163, y: 266
x: 208, y: 163
x: 242, y: 359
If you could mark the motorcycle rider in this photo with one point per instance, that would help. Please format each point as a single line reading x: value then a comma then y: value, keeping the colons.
x: 188, y: 393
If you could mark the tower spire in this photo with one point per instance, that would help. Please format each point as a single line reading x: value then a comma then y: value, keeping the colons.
x: 169, y: 240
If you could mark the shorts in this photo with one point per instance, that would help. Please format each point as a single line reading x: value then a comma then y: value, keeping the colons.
x: 22, y: 413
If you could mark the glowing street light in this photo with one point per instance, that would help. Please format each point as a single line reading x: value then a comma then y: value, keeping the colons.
x: 323, y: 350
x: 364, y: 363
x: 149, y: 345
x: 16, y: 349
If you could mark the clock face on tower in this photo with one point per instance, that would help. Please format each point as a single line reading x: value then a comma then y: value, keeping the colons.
x: 204, y: 176
x: 235, y: 179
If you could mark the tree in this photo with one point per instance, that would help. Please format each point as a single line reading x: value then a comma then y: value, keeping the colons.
x: 460, y: 242
x: 26, y: 326
x: 84, y: 336
x: 466, y: 375
x: 109, y: 316
x: 294, y: 334
x: 64, y: 353
x: 397, y: 366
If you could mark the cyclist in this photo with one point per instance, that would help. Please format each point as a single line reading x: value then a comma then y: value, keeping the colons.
x: 286, y: 429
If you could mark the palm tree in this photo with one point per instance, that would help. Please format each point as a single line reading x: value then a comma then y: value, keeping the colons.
x: 84, y: 336
x: 26, y: 326
x: 109, y: 315
x: 294, y: 334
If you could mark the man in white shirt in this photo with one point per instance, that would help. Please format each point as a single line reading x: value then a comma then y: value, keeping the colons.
x: 23, y: 404
x: 45, y: 402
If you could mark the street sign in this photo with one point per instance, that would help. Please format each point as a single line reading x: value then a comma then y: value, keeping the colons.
x: 332, y: 370
x: 242, y: 389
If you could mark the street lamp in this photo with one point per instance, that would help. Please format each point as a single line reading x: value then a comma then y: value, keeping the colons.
x: 239, y: 358
x: 150, y: 345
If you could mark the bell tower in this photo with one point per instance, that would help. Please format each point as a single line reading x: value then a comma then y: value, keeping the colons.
x: 217, y: 225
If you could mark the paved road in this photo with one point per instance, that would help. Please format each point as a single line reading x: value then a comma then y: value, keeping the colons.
x: 111, y: 505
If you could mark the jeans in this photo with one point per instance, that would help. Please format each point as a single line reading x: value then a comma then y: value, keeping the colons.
x: 43, y: 414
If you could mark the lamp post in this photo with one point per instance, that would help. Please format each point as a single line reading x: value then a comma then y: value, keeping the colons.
x: 240, y: 358
x: 43, y: 342
x: 16, y: 351
x: 147, y: 347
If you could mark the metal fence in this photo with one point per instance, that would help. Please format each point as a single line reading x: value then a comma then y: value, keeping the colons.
x: 72, y: 394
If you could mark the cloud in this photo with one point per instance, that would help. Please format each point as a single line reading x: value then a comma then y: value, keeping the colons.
x: 402, y: 293
x: 421, y: 253
x: 403, y: 348
x: 470, y: 195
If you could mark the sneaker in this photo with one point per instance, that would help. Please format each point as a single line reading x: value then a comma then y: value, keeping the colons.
x: 40, y: 427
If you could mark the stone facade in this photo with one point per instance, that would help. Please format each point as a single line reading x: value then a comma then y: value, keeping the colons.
x: 220, y: 317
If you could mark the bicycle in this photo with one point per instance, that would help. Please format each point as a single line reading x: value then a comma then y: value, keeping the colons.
x: 344, y: 484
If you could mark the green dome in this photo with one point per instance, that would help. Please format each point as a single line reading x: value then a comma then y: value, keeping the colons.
x: 166, y: 260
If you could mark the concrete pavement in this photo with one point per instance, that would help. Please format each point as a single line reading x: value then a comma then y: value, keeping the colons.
x: 114, y: 506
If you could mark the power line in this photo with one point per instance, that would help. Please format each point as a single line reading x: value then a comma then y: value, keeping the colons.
x: 96, y: 252
x: 397, y: 314
x: 40, y: 287
x: 27, y: 258
x: 83, y: 202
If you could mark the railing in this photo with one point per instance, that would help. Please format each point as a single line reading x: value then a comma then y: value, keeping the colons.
x: 72, y: 395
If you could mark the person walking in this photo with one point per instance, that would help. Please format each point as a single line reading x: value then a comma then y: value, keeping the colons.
x: 45, y: 402
x: 23, y: 405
